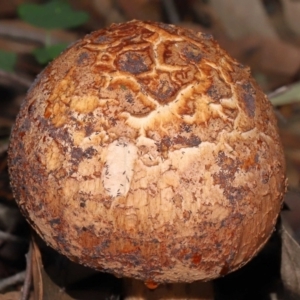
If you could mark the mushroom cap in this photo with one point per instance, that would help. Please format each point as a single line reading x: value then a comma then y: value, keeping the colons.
x: 146, y: 151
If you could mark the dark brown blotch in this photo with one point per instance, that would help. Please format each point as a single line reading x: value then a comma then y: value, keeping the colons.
x: 248, y: 97
x: 218, y: 89
x: 76, y: 153
x: 102, y: 39
x: 25, y: 126
x: 58, y: 134
x: 192, y: 141
x: 83, y: 58
x: 207, y: 36
x: 165, y: 144
x: 161, y: 87
x: 129, y: 98
x: 55, y: 221
x: 89, y: 129
x: 225, y: 178
x: 165, y: 91
x: 167, y: 27
x: 186, y: 127
x: 89, y: 152
x: 192, y: 53
x: 134, y: 62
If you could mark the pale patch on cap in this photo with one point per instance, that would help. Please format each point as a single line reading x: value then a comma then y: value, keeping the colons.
x: 118, y: 168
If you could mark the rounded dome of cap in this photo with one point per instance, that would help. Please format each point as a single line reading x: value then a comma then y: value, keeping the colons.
x: 146, y: 151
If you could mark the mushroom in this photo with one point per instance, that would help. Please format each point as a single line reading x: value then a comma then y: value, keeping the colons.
x: 146, y: 151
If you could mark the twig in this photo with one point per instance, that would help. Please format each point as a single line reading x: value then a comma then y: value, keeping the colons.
x: 28, y: 275
x: 17, y: 29
x: 278, y: 91
x: 171, y: 11
x: 14, y: 30
x: 15, y: 78
x: 12, y: 280
x: 286, y: 94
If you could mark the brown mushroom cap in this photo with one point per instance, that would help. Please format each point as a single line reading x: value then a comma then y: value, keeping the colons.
x: 146, y: 151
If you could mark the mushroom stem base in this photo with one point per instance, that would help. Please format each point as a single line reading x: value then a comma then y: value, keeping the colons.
x: 137, y: 290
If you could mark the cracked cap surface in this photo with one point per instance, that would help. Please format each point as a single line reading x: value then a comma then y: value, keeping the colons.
x: 146, y: 151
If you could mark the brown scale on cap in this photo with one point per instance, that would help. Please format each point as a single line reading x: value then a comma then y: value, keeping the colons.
x: 146, y: 151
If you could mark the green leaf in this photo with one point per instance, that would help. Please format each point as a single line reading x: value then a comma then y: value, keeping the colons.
x: 48, y: 53
x: 286, y: 95
x: 7, y: 61
x: 55, y: 14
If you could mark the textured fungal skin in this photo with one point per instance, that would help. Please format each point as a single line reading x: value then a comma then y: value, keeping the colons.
x: 146, y: 151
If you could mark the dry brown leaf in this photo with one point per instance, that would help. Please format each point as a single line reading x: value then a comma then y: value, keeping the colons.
x: 10, y: 296
x: 13, y: 296
x: 265, y: 54
x: 108, y: 10
x: 44, y: 287
x: 273, y: 60
x: 291, y: 10
x: 100, y: 12
x: 141, y: 9
x: 290, y: 262
x: 292, y: 199
x: 243, y: 17
x: 36, y: 272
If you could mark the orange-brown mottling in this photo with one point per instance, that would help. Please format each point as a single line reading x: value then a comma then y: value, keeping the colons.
x: 146, y: 151
x: 196, y: 259
x: 151, y: 284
